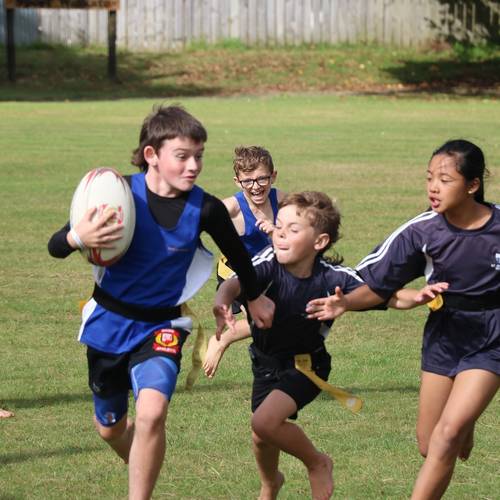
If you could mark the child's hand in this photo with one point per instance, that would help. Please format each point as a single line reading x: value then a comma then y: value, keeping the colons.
x: 265, y: 225
x: 223, y: 317
x: 98, y: 233
x: 262, y: 311
x: 429, y: 292
x: 327, y: 307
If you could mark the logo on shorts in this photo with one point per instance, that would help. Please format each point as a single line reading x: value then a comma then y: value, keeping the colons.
x: 110, y: 417
x: 167, y: 340
x: 496, y: 265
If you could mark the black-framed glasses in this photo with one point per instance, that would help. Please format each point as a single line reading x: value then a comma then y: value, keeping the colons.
x: 263, y: 181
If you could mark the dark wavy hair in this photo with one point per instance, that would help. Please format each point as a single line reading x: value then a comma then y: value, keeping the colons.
x: 166, y: 122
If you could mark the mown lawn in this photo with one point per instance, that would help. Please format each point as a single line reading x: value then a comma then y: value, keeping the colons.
x: 370, y: 153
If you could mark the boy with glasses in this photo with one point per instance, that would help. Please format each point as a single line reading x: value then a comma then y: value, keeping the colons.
x: 253, y: 213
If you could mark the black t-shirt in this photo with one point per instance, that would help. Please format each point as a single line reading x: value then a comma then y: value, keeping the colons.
x: 292, y: 332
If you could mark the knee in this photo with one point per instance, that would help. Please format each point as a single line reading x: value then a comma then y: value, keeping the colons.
x: 261, y: 427
x: 151, y: 418
x: 257, y: 440
x: 448, y: 435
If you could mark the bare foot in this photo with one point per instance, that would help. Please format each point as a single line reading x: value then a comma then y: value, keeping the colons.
x: 321, y: 478
x: 215, y: 350
x: 5, y: 413
x: 270, y: 491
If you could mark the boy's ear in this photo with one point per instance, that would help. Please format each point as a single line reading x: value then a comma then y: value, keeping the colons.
x: 236, y: 181
x: 273, y: 176
x: 321, y: 242
x: 150, y: 155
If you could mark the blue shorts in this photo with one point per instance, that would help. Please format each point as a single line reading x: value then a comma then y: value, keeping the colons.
x: 456, y: 340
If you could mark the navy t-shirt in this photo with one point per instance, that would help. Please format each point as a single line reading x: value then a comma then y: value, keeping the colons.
x: 427, y: 245
x: 291, y: 332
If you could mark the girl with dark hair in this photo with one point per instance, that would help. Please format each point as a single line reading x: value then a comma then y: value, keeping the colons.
x: 456, y: 241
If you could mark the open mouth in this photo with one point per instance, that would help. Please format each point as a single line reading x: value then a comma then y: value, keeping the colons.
x: 434, y: 202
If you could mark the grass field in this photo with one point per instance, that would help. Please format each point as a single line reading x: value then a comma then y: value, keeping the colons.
x: 370, y: 153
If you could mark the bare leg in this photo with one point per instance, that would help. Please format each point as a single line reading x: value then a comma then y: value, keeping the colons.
x: 148, y: 446
x: 119, y: 436
x: 267, y: 458
x: 270, y: 425
x: 471, y: 393
x: 434, y: 392
x: 5, y: 413
x: 216, y: 348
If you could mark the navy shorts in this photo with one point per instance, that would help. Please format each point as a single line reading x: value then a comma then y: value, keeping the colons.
x: 289, y: 380
x: 455, y: 341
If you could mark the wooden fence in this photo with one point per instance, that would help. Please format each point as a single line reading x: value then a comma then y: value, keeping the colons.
x: 166, y: 24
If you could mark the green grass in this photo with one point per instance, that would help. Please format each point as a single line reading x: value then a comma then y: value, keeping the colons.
x: 229, y: 68
x: 368, y: 152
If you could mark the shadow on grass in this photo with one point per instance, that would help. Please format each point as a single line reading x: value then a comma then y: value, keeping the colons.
x: 450, y: 76
x: 45, y: 400
x: 47, y: 72
x: 215, y: 386
x: 27, y: 456
x: 58, y: 73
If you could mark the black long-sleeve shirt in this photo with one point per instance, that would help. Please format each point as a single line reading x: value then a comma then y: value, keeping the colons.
x: 214, y: 220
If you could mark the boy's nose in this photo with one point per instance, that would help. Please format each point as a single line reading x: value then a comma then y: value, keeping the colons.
x: 193, y: 164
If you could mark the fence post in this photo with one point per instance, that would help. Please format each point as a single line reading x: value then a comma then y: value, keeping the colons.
x: 10, y: 45
x: 112, y: 44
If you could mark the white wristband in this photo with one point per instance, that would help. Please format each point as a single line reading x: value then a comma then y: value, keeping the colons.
x: 76, y: 239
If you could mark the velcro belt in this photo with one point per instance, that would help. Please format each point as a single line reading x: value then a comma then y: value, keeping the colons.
x: 149, y: 315
x: 461, y: 302
x: 224, y: 271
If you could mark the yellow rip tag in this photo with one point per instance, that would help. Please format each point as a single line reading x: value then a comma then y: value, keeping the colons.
x: 223, y: 270
x: 303, y: 364
x: 436, y: 303
x: 81, y: 305
x: 199, y: 348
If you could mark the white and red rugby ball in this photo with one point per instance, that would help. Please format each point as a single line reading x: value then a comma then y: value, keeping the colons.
x: 105, y: 189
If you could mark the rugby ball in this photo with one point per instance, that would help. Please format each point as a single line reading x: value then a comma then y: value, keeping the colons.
x: 105, y: 189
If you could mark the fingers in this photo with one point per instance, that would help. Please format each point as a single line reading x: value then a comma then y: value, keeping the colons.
x: 315, y: 303
x: 223, y: 318
x: 265, y: 225
x: 315, y: 308
x: 99, y: 231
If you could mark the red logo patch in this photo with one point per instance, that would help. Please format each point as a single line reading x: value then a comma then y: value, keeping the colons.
x: 167, y: 340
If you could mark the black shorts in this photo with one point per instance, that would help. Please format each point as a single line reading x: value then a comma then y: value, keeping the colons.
x: 289, y: 380
x: 109, y: 374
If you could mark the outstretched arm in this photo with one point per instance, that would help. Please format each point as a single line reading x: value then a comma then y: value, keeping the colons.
x: 333, y: 306
x: 407, y: 298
